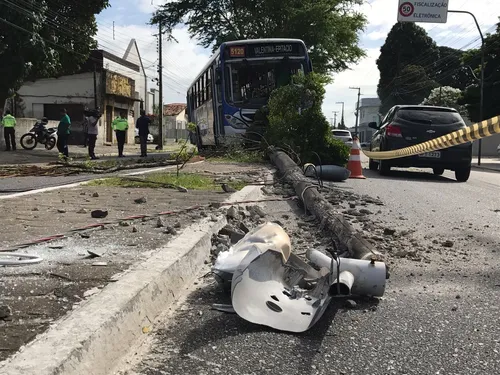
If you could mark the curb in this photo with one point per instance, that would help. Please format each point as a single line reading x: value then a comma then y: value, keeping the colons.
x: 94, y: 337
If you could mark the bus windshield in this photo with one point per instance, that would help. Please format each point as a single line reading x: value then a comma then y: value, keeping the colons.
x: 248, y: 84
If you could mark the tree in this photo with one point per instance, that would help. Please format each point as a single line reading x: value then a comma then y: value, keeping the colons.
x: 471, y: 95
x: 292, y: 110
x: 41, y: 39
x: 446, y: 97
x: 329, y: 28
x: 406, y: 44
x: 450, y: 69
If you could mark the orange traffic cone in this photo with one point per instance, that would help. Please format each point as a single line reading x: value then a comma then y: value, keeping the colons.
x: 354, y: 164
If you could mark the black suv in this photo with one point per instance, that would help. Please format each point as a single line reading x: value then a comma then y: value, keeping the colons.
x: 408, y: 125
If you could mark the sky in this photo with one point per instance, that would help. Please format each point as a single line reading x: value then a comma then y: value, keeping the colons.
x: 184, y: 60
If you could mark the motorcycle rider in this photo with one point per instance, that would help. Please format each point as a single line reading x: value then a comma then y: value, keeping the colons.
x: 9, y: 131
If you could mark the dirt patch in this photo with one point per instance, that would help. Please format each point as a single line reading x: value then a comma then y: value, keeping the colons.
x: 40, y: 294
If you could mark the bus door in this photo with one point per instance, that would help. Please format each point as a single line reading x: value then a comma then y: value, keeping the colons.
x: 218, y: 110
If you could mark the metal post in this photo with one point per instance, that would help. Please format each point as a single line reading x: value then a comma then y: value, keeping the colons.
x: 481, y: 81
x: 95, y: 87
x: 357, y: 110
x: 342, y: 115
x: 160, y: 94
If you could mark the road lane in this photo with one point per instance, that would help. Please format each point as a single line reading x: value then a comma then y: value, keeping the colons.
x: 440, y: 314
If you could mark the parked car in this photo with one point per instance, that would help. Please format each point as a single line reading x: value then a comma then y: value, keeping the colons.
x: 137, y: 139
x: 343, y: 135
x: 407, y: 125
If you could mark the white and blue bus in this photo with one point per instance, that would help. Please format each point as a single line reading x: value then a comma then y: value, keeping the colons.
x: 237, y: 81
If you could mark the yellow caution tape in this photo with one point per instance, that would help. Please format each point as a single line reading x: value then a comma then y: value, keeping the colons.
x: 474, y: 132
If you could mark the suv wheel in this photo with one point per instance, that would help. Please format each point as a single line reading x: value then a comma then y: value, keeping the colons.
x: 438, y: 171
x: 372, y: 165
x: 462, y: 174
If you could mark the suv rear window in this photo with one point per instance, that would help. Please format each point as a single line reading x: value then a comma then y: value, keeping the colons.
x: 341, y: 133
x: 426, y: 116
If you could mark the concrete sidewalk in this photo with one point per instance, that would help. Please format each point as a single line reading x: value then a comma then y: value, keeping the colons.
x: 490, y: 164
x: 42, y: 156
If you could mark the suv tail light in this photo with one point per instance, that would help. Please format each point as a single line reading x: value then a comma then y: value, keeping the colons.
x: 349, y: 140
x: 393, y: 131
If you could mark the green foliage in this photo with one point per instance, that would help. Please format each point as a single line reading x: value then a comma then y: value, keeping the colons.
x: 471, y: 95
x: 445, y: 97
x: 449, y: 69
x: 329, y: 28
x: 400, y: 80
x: 42, y: 39
x: 297, y: 121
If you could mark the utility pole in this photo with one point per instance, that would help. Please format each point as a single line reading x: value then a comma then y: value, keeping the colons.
x: 95, y: 87
x: 357, y: 110
x: 160, y: 84
x: 342, y: 116
x: 481, y: 80
x: 335, y: 119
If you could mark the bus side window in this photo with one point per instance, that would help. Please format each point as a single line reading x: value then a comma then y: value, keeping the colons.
x: 209, y: 83
x: 199, y: 93
x: 193, y: 97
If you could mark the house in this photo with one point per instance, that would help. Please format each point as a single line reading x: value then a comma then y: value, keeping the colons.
x: 175, y: 120
x: 112, y: 83
x: 368, y: 112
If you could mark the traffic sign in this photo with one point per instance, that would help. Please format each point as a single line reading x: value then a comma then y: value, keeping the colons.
x: 423, y: 11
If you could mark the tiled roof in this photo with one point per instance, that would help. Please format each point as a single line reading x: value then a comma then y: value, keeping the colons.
x: 173, y: 109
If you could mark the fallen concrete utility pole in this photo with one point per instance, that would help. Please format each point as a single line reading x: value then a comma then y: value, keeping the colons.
x: 346, y: 239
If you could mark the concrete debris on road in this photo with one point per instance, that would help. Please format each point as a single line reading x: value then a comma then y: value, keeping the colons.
x: 140, y: 200
x: 99, y: 214
x: 5, y: 312
x: 271, y: 286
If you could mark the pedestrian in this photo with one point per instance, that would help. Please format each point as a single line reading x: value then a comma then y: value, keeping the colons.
x: 92, y: 131
x: 120, y: 125
x: 9, y: 131
x: 143, y: 126
x: 63, y: 131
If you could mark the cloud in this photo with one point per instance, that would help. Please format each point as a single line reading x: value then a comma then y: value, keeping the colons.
x: 149, y: 6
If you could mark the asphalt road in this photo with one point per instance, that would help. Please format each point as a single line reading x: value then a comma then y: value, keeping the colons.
x: 440, y: 314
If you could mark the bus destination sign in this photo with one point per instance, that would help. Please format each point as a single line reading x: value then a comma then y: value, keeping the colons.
x: 266, y: 50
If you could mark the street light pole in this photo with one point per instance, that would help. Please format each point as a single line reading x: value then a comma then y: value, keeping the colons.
x: 357, y: 110
x: 335, y: 118
x: 342, y: 115
x: 481, y: 80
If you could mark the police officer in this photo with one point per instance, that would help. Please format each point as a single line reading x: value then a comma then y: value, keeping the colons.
x: 120, y: 126
x: 9, y: 131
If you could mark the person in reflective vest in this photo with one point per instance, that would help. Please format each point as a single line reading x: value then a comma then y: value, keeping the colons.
x: 9, y: 131
x: 120, y: 126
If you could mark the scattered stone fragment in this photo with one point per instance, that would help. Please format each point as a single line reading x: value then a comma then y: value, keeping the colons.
x: 85, y: 235
x: 99, y: 214
x: 5, y: 312
x: 134, y: 230
x: 458, y: 296
x: 350, y: 304
x: 259, y: 211
x: 352, y: 205
x: 448, y: 243
x: 91, y: 292
x: 82, y: 211
x: 159, y: 223
x: 35, y: 209
x: 100, y: 264
x: 365, y: 211
x: 232, y: 213
x: 124, y: 224
x: 213, y: 218
x: 95, y: 195
x: 389, y: 232
x: 244, y: 228
x: 61, y: 210
x: 97, y: 252
x: 171, y: 230
x: 140, y: 200
x: 182, y: 189
x: 177, y: 225
x: 454, y: 308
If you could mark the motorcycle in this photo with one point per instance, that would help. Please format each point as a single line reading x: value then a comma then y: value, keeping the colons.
x: 39, y: 134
